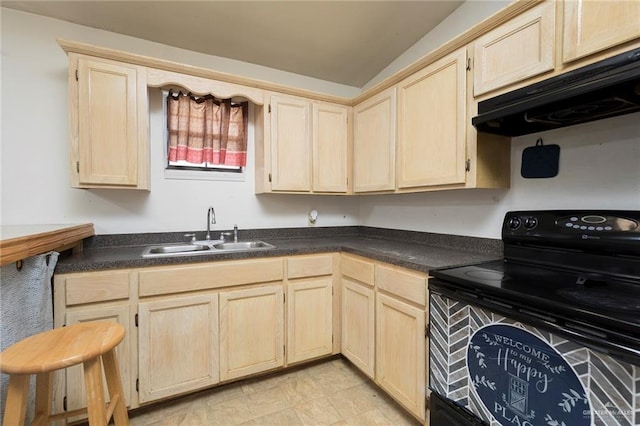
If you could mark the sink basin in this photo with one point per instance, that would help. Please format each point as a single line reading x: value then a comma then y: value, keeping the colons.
x: 207, y: 247
x: 174, y: 249
x: 243, y: 245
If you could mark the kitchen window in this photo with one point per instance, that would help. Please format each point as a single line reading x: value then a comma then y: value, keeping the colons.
x: 206, y: 138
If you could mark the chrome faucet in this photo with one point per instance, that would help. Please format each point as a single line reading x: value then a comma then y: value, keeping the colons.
x: 235, y: 233
x: 211, y: 220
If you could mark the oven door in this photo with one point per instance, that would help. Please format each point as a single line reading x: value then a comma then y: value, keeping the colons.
x: 508, y: 372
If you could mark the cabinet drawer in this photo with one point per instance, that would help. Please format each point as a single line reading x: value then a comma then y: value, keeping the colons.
x: 177, y: 279
x: 310, y: 266
x: 96, y: 287
x: 357, y: 269
x: 403, y: 283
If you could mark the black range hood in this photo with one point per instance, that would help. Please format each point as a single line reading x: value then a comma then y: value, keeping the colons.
x: 603, y: 89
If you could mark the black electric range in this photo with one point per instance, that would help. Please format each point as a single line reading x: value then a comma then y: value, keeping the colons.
x: 569, y: 278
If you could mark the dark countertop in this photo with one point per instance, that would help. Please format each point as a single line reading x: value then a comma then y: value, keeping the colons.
x: 415, y: 250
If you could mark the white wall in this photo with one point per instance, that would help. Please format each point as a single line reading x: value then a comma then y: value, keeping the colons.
x: 35, y: 183
x: 464, y: 17
x: 599, y: 169
x: 599, y: 165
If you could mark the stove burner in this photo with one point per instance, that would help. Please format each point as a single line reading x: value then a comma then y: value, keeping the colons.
x: 486, y: 274
x: 600, y: 298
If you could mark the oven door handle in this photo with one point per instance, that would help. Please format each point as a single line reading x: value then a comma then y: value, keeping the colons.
x: 555, y: 324
x: 598, y: 343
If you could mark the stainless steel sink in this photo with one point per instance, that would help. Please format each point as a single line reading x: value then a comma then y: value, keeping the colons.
x: 165, y: 250
x: 173, y: 249
x: 243, y: 245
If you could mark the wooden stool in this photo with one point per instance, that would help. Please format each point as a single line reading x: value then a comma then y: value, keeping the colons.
x: 59, y: 348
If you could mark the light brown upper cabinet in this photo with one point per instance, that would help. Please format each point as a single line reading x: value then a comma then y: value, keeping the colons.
x: 516, y: 50
x: 330, y: 147
x: 290, y: 143
x: 305, y: 146
x: 109, y: 124
x: 432, y: 121
x: 593, y: 26
x: 374, y: 143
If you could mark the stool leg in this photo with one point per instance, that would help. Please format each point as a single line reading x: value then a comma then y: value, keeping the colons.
x: 112, y: 374
x: 97, y: 414
x: 43, y: 398
x: 17, y: 395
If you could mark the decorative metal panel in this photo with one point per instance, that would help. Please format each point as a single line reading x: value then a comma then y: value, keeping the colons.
x: 608, y: 392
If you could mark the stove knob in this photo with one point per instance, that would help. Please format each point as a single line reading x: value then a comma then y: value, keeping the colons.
x: 514, y: 223
x: 530, y: 222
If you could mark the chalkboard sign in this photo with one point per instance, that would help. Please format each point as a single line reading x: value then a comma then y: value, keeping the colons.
x: 523, y: 381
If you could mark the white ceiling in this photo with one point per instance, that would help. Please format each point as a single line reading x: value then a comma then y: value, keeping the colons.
x: 346, y: 42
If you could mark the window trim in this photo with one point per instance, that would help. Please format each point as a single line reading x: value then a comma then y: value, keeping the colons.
x: 184, y: 174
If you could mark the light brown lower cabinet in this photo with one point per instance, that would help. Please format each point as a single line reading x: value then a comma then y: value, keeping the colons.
x: 358, y: 322
x: 202, y: 324
x: 401, y: 338
x: 251, y: 331
x: 384, y: 311
x: 116, y: 312
x: 177, y: 345
x: 309, y: 319
x: 400, y: 352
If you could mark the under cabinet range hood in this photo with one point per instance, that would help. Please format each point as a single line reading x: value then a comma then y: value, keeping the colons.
x: 603, y: 89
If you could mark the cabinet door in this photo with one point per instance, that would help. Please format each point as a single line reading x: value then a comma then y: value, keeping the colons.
x: 374, y: 143
x: 251, y: 331
x: 432, y: 124
x: 358, y: 325
x: 521, y: 48
x: 400, y: 352
x: 178, y: 345
x: 111, y: 114
x: 76, y: 395
x: 309, y: 319
x: 290, y: 144
x: 330, y: 143
x: 593, y: 26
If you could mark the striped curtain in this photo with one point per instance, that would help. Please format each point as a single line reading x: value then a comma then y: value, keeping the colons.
x: 207, y: 130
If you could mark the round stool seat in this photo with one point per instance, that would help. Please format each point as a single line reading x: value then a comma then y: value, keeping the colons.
x: 61, y: 347
x: 91, y: 344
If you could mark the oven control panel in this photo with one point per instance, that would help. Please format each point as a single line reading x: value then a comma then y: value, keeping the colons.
x: 598, y: 223
x: 578, y: 228
x: 580, y: 237
x: 557, y: 223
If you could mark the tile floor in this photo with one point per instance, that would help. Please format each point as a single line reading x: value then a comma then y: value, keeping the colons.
x: 328, y: 393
